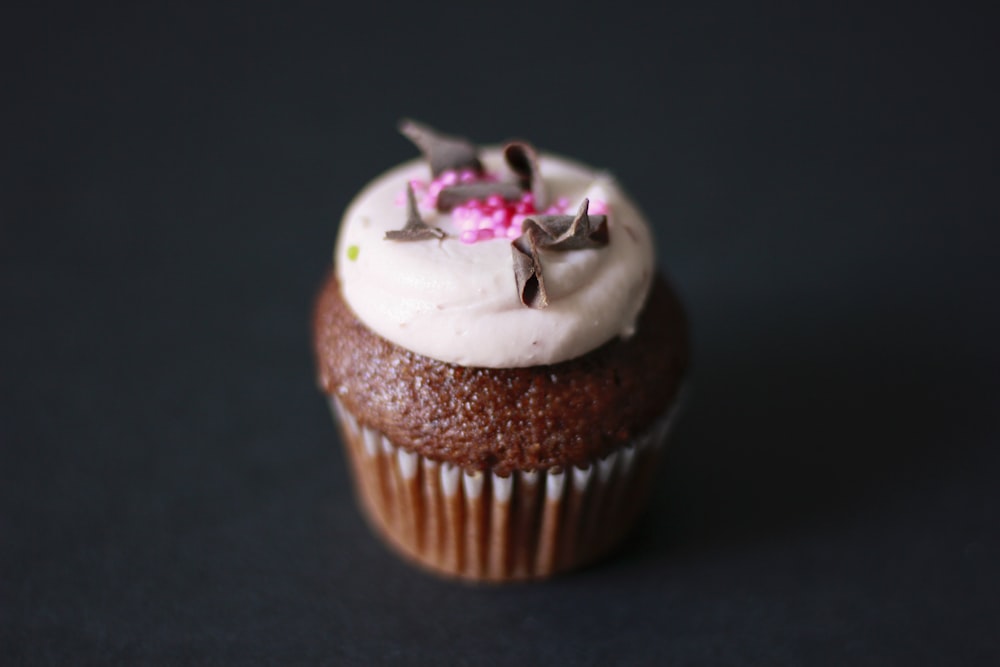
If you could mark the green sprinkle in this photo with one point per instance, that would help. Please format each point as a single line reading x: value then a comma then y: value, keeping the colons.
x: 352, y: 252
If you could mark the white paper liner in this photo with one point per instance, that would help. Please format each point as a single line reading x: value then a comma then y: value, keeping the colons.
x: 481, y: 526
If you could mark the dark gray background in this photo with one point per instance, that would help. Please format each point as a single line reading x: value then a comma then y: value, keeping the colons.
x: 824, y: 189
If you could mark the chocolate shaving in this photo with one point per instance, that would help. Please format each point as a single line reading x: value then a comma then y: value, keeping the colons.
x: 522, y: 159
x: 453, y: 195
x: 415, y: 229
x: 528, y: 272
x: 552, y: 232
x: 442, y: 151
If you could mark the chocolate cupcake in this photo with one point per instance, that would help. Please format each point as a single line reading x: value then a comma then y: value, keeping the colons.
x: 501, y: 356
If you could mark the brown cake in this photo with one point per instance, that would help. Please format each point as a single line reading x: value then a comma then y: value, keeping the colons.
x: 501, y: 357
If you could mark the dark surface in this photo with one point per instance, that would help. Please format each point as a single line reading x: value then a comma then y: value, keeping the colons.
x: 824, y: 186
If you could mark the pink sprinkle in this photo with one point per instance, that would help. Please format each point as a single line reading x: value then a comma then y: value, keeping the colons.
x: 492, y: 217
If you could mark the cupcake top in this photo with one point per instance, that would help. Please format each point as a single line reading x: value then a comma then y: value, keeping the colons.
x: 497, y: 257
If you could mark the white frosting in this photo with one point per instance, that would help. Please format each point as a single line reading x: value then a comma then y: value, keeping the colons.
x: 459, y: 303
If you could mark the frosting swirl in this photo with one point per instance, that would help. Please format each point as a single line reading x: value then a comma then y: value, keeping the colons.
x: 458, y: 302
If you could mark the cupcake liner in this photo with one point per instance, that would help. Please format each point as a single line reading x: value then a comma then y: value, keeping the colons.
x: 482, y: 526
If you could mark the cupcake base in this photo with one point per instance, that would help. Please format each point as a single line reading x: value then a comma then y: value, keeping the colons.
x: 483, y: 527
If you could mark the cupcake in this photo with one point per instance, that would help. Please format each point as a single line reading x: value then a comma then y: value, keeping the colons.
x: 501, y: 356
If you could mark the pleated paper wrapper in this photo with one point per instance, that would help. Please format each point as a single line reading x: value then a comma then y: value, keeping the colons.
x: 484, y: 527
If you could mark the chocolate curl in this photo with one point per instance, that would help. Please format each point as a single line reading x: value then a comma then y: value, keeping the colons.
x: 528, y: 271
x: 442, y: 151
x: 570, y: 232
x: 552, y: 232
x: 522, y: 159
x: 453, y: 195
x: 415, y: 229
